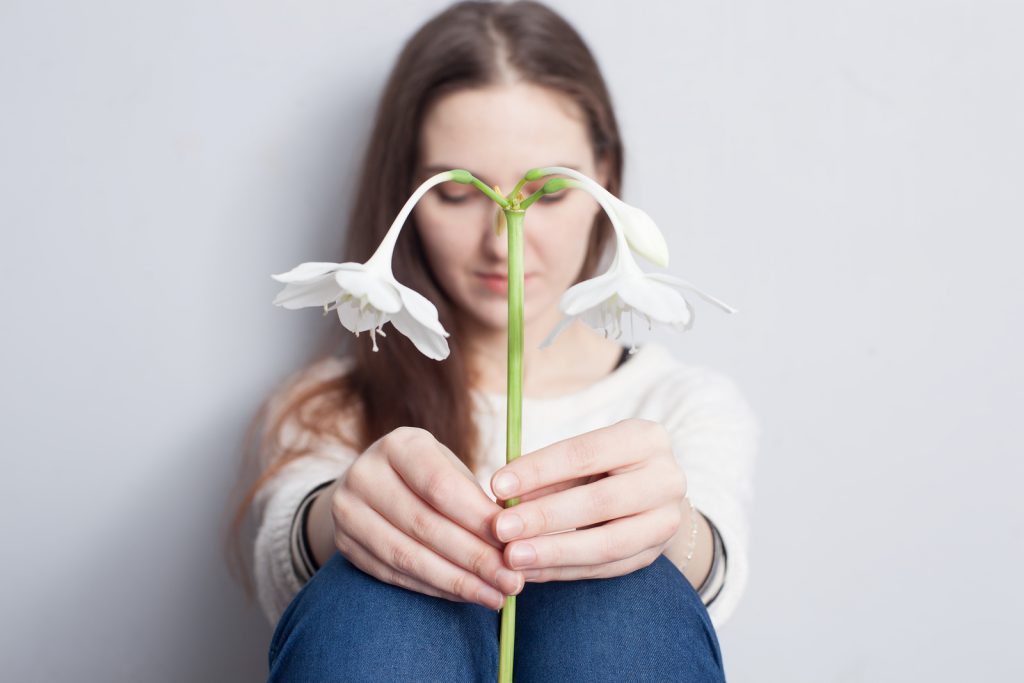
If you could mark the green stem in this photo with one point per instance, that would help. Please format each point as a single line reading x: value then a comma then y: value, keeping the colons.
x: 550, y: 187
x: 479, y: 184
x: 515, y: 190
x: 461, y: 175
x: 514, y: 410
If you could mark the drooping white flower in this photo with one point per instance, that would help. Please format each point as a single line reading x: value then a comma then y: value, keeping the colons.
x: 626, y: 290
x: 639, y: 229
x: 367, y: 295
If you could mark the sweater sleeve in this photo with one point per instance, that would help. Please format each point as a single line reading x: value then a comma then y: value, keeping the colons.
x: 714, y: 436
x: 274, y: 508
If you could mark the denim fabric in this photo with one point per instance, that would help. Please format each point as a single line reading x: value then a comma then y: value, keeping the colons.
x: 345, y: 625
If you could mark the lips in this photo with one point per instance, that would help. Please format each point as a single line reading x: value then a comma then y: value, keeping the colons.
x: 498, y: 282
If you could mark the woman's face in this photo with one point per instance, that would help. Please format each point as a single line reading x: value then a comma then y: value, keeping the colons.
x: 498, y: 133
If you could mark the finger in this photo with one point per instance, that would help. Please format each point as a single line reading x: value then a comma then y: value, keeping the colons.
x: 616, y: 448
x: 356, y: 553
x: 599, y: 571
x: 555, y: 488
x: 393, y: 501
x: 605, y: 499
x: 398, y: 551
x: 604, y: 544
x: 425, y: 465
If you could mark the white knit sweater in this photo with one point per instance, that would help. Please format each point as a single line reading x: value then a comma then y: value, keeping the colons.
x: 713, y: 432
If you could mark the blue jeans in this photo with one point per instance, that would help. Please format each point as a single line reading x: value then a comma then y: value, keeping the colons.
x: 345, y: 625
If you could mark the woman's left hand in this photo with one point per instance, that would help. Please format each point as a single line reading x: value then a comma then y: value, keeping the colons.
x: 619, y: 487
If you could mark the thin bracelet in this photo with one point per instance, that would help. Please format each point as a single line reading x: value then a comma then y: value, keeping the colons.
x: 693, y: 535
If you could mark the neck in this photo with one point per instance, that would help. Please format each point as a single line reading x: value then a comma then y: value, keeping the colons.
x: 578, y: 357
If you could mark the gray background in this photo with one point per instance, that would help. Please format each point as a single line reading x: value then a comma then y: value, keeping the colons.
x: 847, y: 173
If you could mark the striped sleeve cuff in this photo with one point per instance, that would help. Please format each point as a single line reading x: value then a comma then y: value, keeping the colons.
x: 303, y: 561
x: 712, y: 585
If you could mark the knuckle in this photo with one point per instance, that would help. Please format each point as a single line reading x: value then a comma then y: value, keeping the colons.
x: 404, y: 434
x: 402, y: 439
x: 422, y: 525
x: 340, y: 511
x: 397, y: 578
x: 480, y: 562
x: 532, y: 471
x: 543, y: 518
x: 581, y: 455
x: 342, y: 544
x: 673, y: 522
x: 684, y: 483
x: 660, y: 437
x: 460, y: 586
x: 601, y: 501
x: 438, y: 488
x: 403, y: 560
x: 653, y: 434
x: 676, y: 478
x: 355, y: 476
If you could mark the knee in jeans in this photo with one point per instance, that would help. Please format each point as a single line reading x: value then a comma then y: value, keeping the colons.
x: 344, y: 605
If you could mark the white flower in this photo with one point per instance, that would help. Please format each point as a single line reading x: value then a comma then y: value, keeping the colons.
x: 639, y: 229
x: 625, y: 289
x: 367, y: 295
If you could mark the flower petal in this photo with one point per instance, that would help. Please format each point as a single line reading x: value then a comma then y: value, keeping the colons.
x: 420, y: 308
x: 306, y: 272
x: 379, y: 291
x: 658, y: 301
x: 360, y: 319
x: 589, y: 293
x: 427, y: 341
x: 683, y: 284
x: 317, y: 293
x: 641, y: 232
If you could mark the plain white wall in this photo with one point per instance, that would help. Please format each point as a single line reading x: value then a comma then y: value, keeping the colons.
x: 847, y: 173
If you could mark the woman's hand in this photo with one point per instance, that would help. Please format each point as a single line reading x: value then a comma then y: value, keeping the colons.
x: 410, y: 513
x: 620, y: 487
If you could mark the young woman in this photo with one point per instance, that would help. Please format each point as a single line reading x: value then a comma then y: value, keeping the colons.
x: 382, y: 551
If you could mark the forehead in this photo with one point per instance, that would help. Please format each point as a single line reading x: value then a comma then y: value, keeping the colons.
x: 499, y: 132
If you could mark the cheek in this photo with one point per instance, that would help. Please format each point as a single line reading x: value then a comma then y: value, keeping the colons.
x: 562, y: 233
x: 443, y: 240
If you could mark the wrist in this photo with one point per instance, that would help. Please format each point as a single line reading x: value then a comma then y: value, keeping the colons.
x: 319, y: 526
x: 697, y: 567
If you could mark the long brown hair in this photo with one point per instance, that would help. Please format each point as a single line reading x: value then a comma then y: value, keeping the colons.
x: 471, y: 44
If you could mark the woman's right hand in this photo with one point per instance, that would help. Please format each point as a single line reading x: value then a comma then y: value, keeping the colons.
x: 410, y: 513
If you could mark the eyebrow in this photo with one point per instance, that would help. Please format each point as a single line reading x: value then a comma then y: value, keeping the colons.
x: 441, y: 168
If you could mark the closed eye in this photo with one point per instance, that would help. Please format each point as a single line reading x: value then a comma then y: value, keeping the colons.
x: 450, y: 199
x: 552, y: 198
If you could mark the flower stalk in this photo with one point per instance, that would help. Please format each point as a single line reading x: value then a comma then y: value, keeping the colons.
x: 514, y: 403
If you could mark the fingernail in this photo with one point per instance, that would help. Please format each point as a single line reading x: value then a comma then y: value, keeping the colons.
x: 509, y: 525
x: 531, y: 574
x: 508, y: 581
x: 506, y: 484
x: 491, y: 598
x: 522, y: 554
